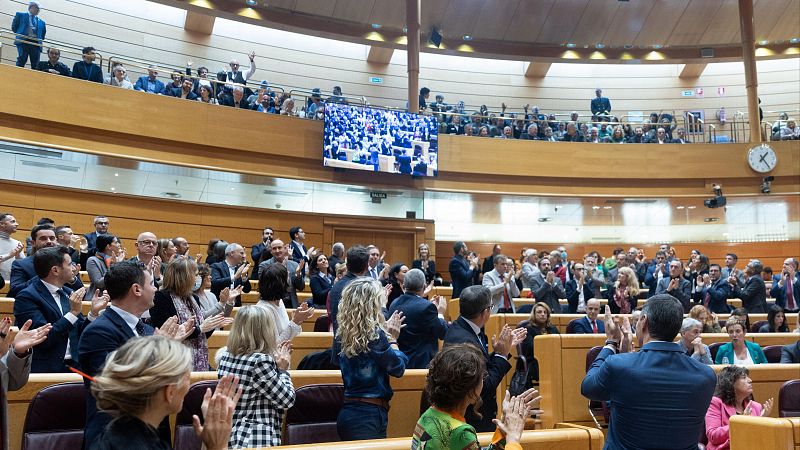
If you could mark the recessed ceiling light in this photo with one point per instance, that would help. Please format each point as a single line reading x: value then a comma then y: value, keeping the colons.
x: 764, y: 42
x: 570, y: 45
x: 467, y: 37
x: 691, y: 207
x: 376, y: 26
x: 113, y: 188
x: 599, y: 45
x: 679, y: 207
x: 606, y: 207
x: 595, y: 207
x: 251, y: 3
x: 116, y: 174
x: 233, y: 188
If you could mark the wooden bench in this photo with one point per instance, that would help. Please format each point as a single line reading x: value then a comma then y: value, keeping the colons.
x: 748, y: 433
x: 303, y: 344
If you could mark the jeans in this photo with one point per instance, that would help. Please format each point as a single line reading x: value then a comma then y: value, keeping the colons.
x: 27, y: 50
x: 359, y: 421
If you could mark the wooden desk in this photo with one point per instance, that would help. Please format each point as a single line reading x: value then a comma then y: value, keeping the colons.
x: 748, y: 433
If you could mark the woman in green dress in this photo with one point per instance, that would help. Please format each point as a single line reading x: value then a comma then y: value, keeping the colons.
x: 455, y: 380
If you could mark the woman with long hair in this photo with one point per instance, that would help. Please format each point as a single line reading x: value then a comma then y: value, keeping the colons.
x: 369, y: 355
x: 273, y: 283
x: 776, y: 321
x: 454, y: 382
x: 707, y: 318
x: 145, y: 381
x: 177, y: 299
x: 733, y: 396
x: 109, y: 251
x: 424, y: 262
x: 320, y: 279
x: 538, y: 324
x: 261, y: 364
x: 395, y: 277
x: 623, y: 294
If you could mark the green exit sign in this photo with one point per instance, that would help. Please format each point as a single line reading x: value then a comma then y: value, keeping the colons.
x: 376, y: 80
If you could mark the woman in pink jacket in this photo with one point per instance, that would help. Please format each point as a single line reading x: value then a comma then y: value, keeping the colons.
x: 734, y: 395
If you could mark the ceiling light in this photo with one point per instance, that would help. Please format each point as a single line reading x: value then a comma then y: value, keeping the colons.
x: 595, y: 207
x: 405, y: 29
x: 376, y: 26
x: 251, y: 3
x: 691, y: 207
x: 606, y: 207
x: 116, y: 174
x: 233, y: 188
x: 570, y: 45
x: 764, y: 42
x: 113, y: 188
x: 467, y: 37
x: 794, y: 40
x: 599, y: 45
x: 679, y: 207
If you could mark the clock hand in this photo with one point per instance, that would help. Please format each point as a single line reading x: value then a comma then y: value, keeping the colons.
x: 762, y: 159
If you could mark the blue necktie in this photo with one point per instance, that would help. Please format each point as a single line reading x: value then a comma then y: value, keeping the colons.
x: 64, y: 301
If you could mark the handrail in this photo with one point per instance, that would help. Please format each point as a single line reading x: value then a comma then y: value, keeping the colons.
x: 47, y: 43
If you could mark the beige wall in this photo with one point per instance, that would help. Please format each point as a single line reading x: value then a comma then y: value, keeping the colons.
x: 155, y: 32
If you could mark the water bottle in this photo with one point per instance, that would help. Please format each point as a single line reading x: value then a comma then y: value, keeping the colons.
x: 725, y: 360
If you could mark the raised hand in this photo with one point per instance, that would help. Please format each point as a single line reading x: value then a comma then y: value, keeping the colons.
x: 428, y: 289
x: 76, y: 270
x: 25, y: 339
x: 441, y: 304
x: 303, y: 313
x: 395, y: 324
x: 613, y: 330
x: 388, y: 289
x: 767, y: 408
x: 169, y: 328
x: 99, y: 302
x: 185, y: 329
x: 228, y: 295
x: 75, y: 300
x: 252, y: 56
x: 84, y: 246
x: 514, y: 416
x: 212, y: 323
x: 283, y: 355
x: 218, y: 417
x: 198, y: 258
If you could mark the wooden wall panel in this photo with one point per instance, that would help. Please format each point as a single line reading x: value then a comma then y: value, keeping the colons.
x: 198, y: 223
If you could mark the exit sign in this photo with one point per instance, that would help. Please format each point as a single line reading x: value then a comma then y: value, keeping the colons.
x: 378, y: 194
x: 687, y: 93
x: 376, y: 80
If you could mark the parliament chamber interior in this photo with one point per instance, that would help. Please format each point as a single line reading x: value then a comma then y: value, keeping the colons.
x: 225, y: 224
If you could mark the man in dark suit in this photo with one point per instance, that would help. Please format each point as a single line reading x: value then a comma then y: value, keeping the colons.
x: 600, y: 105
x: 713, y: 291
x: 237, y: 100
x: 131, y: 290
x: 86, y: 69
x: 375, y: 264
x: 790, y: 354
x: 547, y: 287
x: 336, y: 257
x: 23, y: 271
x: 462, y: 271
x: 474, y: 303
x: 100, y: 227
x: 231, y: 273
x: 579, y: 289
x: 257, y: 250
x: 150, y: 82
x: 295, y: 282
x: 676, y: 285
x: 297, y: 247
x: 786, y: 287
x: 668, y: 383
x: 424, y: 321
x: 656, y: 271
x: 29, y: 32
x: 589, y: 324
x: 47, y: 300
x: 754, y: 292
x: 53, y: 65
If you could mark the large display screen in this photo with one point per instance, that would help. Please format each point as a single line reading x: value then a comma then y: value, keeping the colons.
x: 380, y: 140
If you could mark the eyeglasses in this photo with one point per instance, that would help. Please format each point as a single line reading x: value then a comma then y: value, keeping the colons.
x: 149, y: 243
x: 103, y: 223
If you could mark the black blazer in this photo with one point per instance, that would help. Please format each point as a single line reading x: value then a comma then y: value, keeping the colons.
x: 297, y: 255
x: 460, y: 332
x: 256, y: 251
x: 430, y: 273
x: 23, y: 274
x: 221, y: 278
x: 91, y: 72
x: 101, y: 337
x: 229, y: 101
x: 527, y: 350
x: 753, y: 295
x: 719, y: 292
x: 319, y: 289
x: 35, y: 303
x: 572, y: 293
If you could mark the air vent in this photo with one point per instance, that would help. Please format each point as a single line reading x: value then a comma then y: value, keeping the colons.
x: 710, y: 219
x: 357, y: 190
x: 545, y: 219
x: 54, y: 166
x: 631, y: 201
x: 284, y: 193
x: 171, y: 194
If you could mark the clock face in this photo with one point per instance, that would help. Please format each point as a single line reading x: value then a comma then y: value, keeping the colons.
x: 762, y: 158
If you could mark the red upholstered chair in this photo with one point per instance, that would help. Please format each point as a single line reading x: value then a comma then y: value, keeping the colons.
x: 757, y: 326
x: 185, y: 437
x: 713, y: 348
x: 789, y: 399
x: 773, y: 353
x: 322, y: 324
x: 56, y: 418
x: 312, y: 419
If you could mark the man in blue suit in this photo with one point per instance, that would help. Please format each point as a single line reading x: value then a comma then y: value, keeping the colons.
x: 713, y: 291
x: 656, y: 271
x: 299, y: 251
x: 231, y: 273
x: 424, y: 321
x: 131, y: 290
x: 150, y: 82
x: 29, y: 32
x: 47, y: 300
x: 462, y: 271
x: 23, y: 271
x: 786, y: 287
x: 666, y: 406
x: 474, y: 304
x: 589, y: 324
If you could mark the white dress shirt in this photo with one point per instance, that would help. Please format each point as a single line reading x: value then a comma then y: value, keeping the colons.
x: 53, y: 289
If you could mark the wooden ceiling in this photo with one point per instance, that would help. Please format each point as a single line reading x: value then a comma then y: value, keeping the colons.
x: 581, y: 22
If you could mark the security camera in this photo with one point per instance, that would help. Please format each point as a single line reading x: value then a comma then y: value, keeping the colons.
x: 766, y: 185
x: 718, y: 201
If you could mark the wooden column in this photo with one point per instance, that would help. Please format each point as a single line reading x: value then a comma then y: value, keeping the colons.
x: 750, y: 75
x: 412, y: 49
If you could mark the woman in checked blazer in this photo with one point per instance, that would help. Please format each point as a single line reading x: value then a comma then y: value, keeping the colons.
x: 261, y: 365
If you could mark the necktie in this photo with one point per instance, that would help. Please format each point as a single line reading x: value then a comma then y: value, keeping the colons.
x: 594, y: 327
x: 373, y: 273
x: 789, y: 294
x: 707, y: 297
x: 140, y: 328
x: 64, y: 301
x: 506, y: 298
x: 484, y: 341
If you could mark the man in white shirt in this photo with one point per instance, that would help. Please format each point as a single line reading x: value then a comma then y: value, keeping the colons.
x: 375, y: 265
x: 10, y: 248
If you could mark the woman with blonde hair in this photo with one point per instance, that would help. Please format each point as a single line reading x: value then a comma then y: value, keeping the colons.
x: 143, y: 382
x: 177, y: 299
x: 368, y: 354
x: 261, y: 364
x: 622, y: 295
x: 709, y: 320
x: 424, y: 262
x: 538, y: 324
